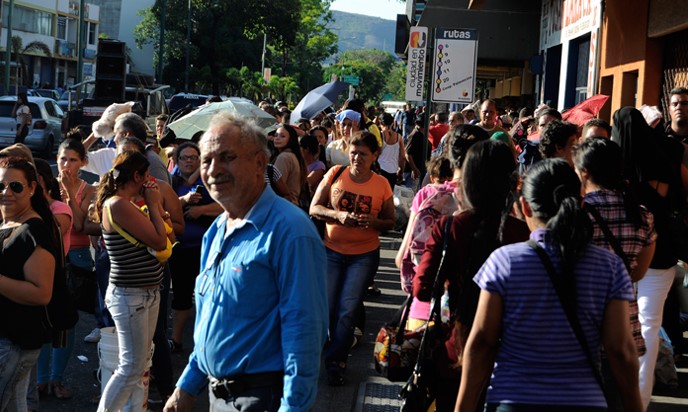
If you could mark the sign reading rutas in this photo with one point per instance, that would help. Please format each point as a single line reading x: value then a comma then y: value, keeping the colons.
x: 415, y: 69
x: 455, y: 55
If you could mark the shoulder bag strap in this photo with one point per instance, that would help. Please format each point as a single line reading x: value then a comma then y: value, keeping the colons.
x: 120, y: 230
x: 402, y: 316
x: 435, y: 302
x: 613, y: 241
x: 334, y: 179
x: 569, y: 309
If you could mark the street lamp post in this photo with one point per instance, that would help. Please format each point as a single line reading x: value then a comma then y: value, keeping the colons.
x: 188, y: 40
x: 161, y: 46
x: 8, y: 48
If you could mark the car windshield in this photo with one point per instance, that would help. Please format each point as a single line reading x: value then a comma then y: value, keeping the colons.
x: 65, y: 95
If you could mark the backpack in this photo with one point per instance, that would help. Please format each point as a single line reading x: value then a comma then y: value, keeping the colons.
x: 530, y: 154
x: 441, y: 203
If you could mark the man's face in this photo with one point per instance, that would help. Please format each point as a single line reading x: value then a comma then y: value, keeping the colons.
x: 592, y: 131
x: 469, y: 115
x: 488, y: 113
x: 543, y: 120
x: 159, y: 127
x: 231, y: 169
x: 455, y: 121
x: 678, y: 107
x: 566, y: 152
x: 189, y: 161
x: 120, y: 132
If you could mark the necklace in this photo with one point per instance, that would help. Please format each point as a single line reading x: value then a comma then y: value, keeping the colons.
x: 15, y: 221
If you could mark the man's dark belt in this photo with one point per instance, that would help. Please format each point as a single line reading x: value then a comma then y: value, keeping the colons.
x: 234, y: 386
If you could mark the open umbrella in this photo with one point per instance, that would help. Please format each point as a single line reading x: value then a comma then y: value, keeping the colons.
x: 199, y: 120
x: 585, y: 110
x: 318, y: 100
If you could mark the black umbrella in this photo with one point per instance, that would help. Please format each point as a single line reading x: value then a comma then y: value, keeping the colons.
x: 318, y: 100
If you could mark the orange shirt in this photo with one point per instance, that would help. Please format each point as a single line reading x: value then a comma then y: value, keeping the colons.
x: 359, y: 198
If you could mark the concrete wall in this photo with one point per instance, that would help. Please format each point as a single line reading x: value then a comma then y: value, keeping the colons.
x: 142, y: 59
x: 630, y: 62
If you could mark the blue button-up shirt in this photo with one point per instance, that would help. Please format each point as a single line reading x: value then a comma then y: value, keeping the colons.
x: 261, y: 301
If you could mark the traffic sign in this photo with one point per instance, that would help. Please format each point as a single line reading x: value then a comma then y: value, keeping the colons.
x: 352, y: 80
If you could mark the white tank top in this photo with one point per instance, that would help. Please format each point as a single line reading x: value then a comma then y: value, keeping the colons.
x: 389, y: 158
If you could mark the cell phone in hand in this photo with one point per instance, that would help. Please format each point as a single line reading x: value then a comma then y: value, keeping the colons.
x: 197, y: 189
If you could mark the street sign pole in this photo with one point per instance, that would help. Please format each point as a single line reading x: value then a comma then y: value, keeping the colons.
x: 426, y: 120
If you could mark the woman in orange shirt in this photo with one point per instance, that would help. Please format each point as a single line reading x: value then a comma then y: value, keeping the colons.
x: 357, y: 205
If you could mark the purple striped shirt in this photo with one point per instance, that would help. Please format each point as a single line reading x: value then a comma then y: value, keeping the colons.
x: 540, y: 360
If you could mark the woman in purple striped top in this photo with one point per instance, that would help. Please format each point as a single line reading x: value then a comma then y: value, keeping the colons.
x: 521, y: 333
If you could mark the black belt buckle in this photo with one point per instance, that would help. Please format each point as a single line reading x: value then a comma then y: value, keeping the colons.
x: 226, y: 388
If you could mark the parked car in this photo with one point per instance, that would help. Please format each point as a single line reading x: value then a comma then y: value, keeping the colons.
x: 181, y: 100
x: 52, y: 93
x: 46, y: 130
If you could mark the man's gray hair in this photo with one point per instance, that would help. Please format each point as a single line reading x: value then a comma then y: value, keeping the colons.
x: 250, y: 133
x: 134, y: 124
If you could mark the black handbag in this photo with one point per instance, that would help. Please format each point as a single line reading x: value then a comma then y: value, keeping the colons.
x: 417, y: 394
x: 82, y: 287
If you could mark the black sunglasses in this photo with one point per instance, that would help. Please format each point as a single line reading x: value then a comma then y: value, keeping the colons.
x: 16, y: 187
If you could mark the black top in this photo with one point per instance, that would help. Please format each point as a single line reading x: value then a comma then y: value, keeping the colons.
x: 27, y: 326
x: 414, y: 148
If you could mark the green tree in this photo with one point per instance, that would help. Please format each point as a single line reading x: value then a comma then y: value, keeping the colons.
x: 229, y: 34
x: 396, y: 81
x: 224, y: 33
x: 20, y: 53
x: 373, y: 67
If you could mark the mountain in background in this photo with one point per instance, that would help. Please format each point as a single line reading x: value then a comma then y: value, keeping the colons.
x: 358, y: 31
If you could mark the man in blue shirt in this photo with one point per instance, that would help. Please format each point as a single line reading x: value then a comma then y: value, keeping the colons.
x: 261, y: 302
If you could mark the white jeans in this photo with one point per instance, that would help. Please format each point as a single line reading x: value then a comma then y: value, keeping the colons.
x: 652, y: 292
x: 135, y: 313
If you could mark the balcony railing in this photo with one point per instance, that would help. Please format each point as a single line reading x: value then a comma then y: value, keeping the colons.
x: 63, y: 48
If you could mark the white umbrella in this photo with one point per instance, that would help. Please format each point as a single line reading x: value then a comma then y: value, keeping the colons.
x: 199, y: 120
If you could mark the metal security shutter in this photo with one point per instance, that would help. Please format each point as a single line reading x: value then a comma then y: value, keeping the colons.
x: 675, y: 72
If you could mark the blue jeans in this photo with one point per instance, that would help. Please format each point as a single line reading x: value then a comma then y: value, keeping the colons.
x: 251, y: 400
x: 15, y: 370
x: 162, y: 357
x: 135, y: 312
x: 348, y: 277
x: 60, y: 358
x: 102, y: 315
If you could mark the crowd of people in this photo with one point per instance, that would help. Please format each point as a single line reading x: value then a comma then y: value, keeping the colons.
x: 552, y: 241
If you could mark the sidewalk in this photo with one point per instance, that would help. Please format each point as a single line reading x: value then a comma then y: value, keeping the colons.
x: 365, y: 390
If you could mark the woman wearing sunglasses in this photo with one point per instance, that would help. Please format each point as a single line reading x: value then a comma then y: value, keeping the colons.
x: 132, y: 296
x: 28, y: 236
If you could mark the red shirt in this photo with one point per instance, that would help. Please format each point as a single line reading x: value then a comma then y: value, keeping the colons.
x: 436, y: 132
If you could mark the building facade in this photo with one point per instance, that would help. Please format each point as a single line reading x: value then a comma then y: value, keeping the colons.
x: 54, y: 24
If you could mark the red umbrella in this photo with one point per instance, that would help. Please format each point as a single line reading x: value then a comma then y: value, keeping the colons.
x: 585, y: 110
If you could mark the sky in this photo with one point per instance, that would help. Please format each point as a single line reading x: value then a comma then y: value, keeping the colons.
x: 386, y: 9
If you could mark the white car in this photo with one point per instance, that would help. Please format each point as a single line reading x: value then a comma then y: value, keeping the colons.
x: 47, y: 124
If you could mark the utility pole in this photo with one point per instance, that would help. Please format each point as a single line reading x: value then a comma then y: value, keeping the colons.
x: 8, y: 48
x: 80, y: 46
x: 161, y: 46
x: 188, y: 40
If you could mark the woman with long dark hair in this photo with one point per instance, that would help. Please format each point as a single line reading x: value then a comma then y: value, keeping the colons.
x: 652, y: 164
x: 521, y: 333
x: 22, y: 113
x: 488, y: 182
x: 620, y: 224
x: 49, y: 379
x: 133, y: 295
x: 28, y: 262
x: 289, y: 161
